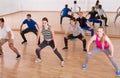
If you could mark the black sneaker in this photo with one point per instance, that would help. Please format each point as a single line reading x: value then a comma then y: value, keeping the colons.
x: 106, y: 25
x: 23, y: 42
x: 65, y: 48
x: 85, y: 50
x: 18, y: 57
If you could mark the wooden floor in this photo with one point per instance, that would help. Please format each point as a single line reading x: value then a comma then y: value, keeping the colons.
x: 98, y: 67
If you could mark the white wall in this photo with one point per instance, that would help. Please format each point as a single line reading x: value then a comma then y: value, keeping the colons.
x: 7, y: 6
x: 52, y: 5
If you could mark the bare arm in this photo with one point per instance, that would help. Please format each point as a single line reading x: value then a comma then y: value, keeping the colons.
x: 89, y: 43
x: 21, y: 27
x: 9, y: 36
x: 111, y: 45
x: 118, y: 9
x: 53, y: 36
x: 37, y: 38
x: 87, y: 14
x: 37, y: 26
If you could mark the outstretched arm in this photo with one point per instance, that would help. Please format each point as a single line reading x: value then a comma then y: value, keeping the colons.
x: 111, y: 45
x: 37, y: 38
x: 118, y: 9
x: 89, y: 43
x: 21, y: 27
x: 37, y: 26
x: 53, y: 36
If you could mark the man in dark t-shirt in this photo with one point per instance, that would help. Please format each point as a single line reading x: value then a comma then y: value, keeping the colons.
x: 93, y: 18
x: 83, y: 23
x: 31, y: 27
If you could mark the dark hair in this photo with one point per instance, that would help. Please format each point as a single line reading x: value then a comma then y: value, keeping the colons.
x: 97, y: 2
x: 75, y: 2
x: 93, y: 8
x: 29, y: 15
x: 66, y: 5
x: 100, y: 6
x: 45, y: 19
x: 2, y: 19
x: 73, y: 18
x: 81, y: 12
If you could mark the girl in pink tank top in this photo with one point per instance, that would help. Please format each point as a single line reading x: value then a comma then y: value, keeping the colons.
x: 103, y: 44
x: 99, y: 44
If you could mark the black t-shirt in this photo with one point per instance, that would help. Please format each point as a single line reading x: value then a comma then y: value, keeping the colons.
x: 93, y: 14
x: 82, y: 21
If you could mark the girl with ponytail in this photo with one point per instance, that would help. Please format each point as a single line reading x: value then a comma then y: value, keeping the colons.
x: 103, y: 44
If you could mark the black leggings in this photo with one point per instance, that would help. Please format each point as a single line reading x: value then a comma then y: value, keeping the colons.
x: 52, y: 45
x: 71, y: 36
x: 28, y: 30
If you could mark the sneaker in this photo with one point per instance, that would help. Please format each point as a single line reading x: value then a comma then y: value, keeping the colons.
x: 65, y: 48
x: 106, y: 25
x: 23, y: 42
x: 62, y: 64
x: 37, y: 60
x: 85, y: 50
x: 118, y: 73
x: 18, y: 57
x: 84, y: 67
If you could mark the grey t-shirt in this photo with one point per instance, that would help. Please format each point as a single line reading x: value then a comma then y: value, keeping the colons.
x: 76, y: 31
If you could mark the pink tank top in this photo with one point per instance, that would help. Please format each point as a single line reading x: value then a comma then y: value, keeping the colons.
x: 99, y: 45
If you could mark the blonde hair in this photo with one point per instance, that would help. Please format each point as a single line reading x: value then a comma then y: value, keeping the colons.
x: 102, y: 39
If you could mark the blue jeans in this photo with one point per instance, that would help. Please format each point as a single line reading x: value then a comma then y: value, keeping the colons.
x: 88, y: 28
x: 94, y: 20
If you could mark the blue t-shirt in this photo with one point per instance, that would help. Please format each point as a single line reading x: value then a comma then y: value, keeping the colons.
x: 30, y: 24
x: 65, y: 11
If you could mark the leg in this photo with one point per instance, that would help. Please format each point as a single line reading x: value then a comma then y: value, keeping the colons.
x: 83, y: 40
x: 36, y: 32
x: 42, y: 45
x: 105, y: 19
x: 52, y: 45
x: 69, y: 16
x: 61, y: 18
x: 89, y: 29
x: 23, y: 34
x: 107, y: 52
x: 97, y: 21
x: 116, y: 17
x: 88, y: 56
x: 66, y: 40
x: 2, y: 41
x: 11, y: 45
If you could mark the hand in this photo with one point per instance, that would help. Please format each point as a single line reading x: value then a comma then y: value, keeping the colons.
x: 89, y: 52
x: 110, y: 55
x: 37, y: 47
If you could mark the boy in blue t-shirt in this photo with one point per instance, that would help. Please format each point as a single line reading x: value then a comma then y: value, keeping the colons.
x: 31, y: 27
x: 65, y: 13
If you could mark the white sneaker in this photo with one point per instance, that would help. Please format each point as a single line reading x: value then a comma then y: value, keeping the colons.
x: 62, y: 64
x: 37, y: 60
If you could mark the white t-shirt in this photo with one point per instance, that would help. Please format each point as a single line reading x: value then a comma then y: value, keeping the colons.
x: 75, y: 8
x: 4, y: 32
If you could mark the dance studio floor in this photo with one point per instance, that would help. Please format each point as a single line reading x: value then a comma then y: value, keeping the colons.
x: 99, y: 66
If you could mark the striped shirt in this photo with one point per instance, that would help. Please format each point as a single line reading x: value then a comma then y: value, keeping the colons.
x: 47, y: 33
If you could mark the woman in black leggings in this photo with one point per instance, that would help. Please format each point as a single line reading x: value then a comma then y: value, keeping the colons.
x: 48, y: 35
